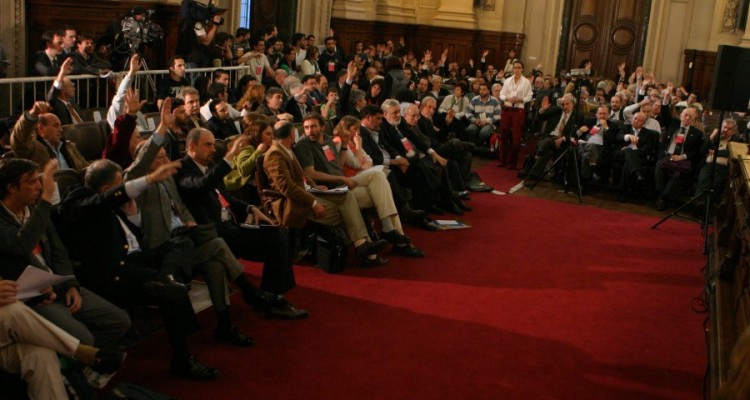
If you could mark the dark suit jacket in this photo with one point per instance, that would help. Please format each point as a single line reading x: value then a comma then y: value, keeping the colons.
x: 372, y: 148
x: 59, y: 108
x: 292, y: 107
x: 42, y: 66
x: 17, y: 245
x: 691, y: 147
x: 221, y: 129
x: 553, y: 114
x: 198, y: 191
x: 648, y: 141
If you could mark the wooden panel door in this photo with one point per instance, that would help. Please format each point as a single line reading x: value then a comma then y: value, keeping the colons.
x: 605, y: 32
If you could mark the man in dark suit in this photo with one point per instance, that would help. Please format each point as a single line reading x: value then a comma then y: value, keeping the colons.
x: 201, y: 185
x: 28, y: 238
x: 220, y: 124
x: 596, y: 144
x: 60, y: 96
x: 558, y: 134
x: 637, y: 148
x: 44, y: 62
x: 679, y: 155
x: 120, y: 268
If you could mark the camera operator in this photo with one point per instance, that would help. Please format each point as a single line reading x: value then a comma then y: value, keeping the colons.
x: 199, y: 25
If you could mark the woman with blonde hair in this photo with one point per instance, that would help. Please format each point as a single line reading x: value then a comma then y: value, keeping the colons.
x: 346, y: 133
x: 254, y: 96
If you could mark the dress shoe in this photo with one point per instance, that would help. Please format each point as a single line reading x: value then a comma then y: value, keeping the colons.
x: 595, y: 178
x: 521, y: 174
x: 283, y: 309
x: 453, y: 209
x: 395, y: 237
x: 463, y: 194
x: 370, y: 248
x: 436, y: 210
x: 165, y: 288
x: 193, y: 369
x: 639, y: 178
x: 234, y: 337
x: 407, y: 251
x: 463, y: 205
x: 408, y: 214
x: 374, y: 262
x: 425, y: 224
x: 107, y: 362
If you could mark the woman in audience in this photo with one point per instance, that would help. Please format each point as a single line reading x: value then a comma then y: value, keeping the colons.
x: 252, y: 99
x: 241, y: 180
x: 346, y: 134
x: 376, y: 92
x: 309, y: 65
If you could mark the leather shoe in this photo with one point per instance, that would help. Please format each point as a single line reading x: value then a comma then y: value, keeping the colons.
x: 661, y: 205
x: 463, y: 194
x: 521, y: 174
x: 463, y: 205
x: 639, y: 178
x: 407, y: 251
x: 595, y: 178
x: 454, y: 209
x: 234, y: 337
x: 370, y: 248
x: 165, y: 288
x: 283, y: 309
x: 425, y: 224
x: 434, y: 209
x: 410, y: 214
x: 193, y: 369
x: 374, y: 262
x: 395, y: 237
x: 107, y: 362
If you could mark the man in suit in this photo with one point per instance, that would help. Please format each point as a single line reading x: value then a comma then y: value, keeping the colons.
x: 44, y: 62
x: 298, y: 206
x: 201, y: 186
x: 220, y: 123
x: 557, y: 136
x: 60, y: 96
x: 596, y: 144
x: 681, y: 146
x: 47, y: 143
x: 29, y: 345
x: 27, y: 237
x: 638, y: 145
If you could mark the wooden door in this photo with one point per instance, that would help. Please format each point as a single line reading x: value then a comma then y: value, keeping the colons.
x: 605, y: 32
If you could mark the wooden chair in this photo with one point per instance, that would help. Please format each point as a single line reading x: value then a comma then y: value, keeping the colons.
x: 88, y: 137
x: 152, y: 119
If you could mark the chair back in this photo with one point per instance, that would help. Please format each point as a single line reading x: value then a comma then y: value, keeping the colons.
x: 67, y: 178
x: 266, y: 193
x: 88, y: 137
x: 152, y: 119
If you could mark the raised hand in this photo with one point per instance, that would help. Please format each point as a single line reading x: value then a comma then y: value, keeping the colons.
x: 48, y: 180
x: 135, y: 65
x: 163, y: 172
x: 166, y: 117
x: 39, y: 107
x: 133, y: 103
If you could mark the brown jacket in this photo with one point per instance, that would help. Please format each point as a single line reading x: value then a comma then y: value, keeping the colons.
x: 25, y: 144
x: 286, y: 176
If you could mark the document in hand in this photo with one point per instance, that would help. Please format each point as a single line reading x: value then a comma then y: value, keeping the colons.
x: 336, y: 190
x: 33, y: 280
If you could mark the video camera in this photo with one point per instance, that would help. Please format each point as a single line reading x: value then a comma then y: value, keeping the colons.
x: 201, y: 13
x: 137, y: 31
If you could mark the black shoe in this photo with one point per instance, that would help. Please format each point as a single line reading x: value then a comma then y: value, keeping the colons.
x: 374, y: 262
x: 639, y: 178
x: 407, y: 251
x: 435, y: 210
x: 370, y: 248
x: 453, y: 209
x: 107, y: 362
x: 463, y: 205
x: 395, y: 237
x: 463, y: 194
x: 283, y: 309
x: 425, y: 224
x: 257, y: 298
x: 622, y: 198
x: 193, y: 369
x: 165, y: 288
x: 595, y: 178
x: 661, y: 205
x: 409, y: 214
x: 521, y: 174
x: 234, y: 337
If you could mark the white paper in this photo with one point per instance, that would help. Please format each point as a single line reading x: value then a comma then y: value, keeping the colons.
x: 339, y: 190
x: 33, y: 280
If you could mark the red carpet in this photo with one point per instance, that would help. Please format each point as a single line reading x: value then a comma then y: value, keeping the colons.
x: 540, y: 300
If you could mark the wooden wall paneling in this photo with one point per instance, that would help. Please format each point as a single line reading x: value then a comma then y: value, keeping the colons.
x: 698, y: 78
x: 462, y: 44
x: 95, y: 17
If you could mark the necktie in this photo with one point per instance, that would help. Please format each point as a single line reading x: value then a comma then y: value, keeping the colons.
x: 74, y: 115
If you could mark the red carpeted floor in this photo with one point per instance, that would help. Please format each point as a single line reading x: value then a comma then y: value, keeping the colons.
x: 539, y: 300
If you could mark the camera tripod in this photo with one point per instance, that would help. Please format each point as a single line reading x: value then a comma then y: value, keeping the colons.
x: 569, y: 153
x: 150, y: 79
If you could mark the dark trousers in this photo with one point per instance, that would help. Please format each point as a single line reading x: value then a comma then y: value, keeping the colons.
x: 510, y: 142
x: 269, y: 245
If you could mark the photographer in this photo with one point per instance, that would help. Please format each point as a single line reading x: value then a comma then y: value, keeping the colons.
x: 196, y: 32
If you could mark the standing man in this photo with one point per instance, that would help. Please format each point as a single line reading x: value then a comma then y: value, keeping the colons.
x: 170, y: 86
x: 330, y: 61
x: 515, y: 95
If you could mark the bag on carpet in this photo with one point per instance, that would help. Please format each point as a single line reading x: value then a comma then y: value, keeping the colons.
x: 331, y: 249
x: 477, y: 185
